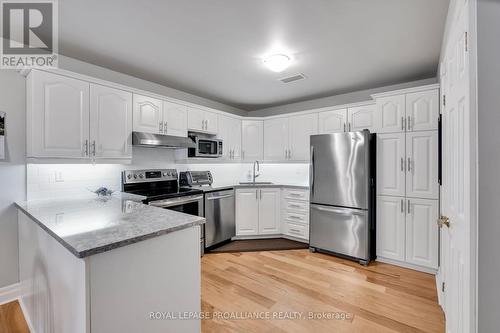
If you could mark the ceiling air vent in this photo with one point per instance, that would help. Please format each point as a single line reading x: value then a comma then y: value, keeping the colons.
x: 292, y: 78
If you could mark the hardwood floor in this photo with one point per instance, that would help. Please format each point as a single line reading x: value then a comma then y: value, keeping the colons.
x: 12, y: 319
x: 253, y: 285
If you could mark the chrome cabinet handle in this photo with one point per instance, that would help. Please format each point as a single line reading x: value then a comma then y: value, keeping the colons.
x: 402, y: 164
x: 409, y: 164
x: 295, y: 206
x: 242, y: 154
x: 256, y: 194
x: 93, y: 148
x: 260, y: 194
x: 408, y: 126
x: 86, y: 148
x: 408, y: 206
x: 402, y: 206
x: 344, y: 127
x: 311, y: 171
x: 160, y: 129
x: 165, y: 127
x: 297, y: 231
x: 286, y: 154
x: 349, y: 126
x: 289, y: 154
x: 402, y: 123
x: 294, y: 217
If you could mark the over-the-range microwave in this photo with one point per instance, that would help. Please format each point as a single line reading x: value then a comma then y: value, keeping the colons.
x: 205, y: 147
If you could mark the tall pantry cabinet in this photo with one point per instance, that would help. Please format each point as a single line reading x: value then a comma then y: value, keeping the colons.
x: 407, y: 178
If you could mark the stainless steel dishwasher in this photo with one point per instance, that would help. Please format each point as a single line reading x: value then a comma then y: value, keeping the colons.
x: 219, y: 213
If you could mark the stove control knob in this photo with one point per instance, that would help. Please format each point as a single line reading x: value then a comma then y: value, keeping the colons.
x: 135, y: 176
x: 164, y: 174
x: 129, y: 176
x: 141, y: 175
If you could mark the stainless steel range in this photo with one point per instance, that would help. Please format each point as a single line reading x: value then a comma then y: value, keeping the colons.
x: 161, y: 189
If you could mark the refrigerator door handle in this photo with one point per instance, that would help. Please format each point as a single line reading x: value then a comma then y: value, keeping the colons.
x: 311, y: 171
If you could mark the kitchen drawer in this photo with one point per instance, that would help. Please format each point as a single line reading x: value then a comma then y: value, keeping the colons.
x: 296, y: 230
x: 296, y: 194
x: 301, y: 218
x: 294, y: 205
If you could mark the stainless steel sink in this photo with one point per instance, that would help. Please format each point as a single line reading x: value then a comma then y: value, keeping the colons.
x: 256, y: 183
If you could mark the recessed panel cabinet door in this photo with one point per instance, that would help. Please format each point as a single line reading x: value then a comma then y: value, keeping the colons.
x: 211, y: 122
x: 391, y: 114
x: 58, y: 116
x: 148, y: 114
x: 276, y: 139
x: 247, y: 212
x: 391, y: 227
x: 174, y: 119
x: 362, y: 117
x: 422, y: 232
x: 235, y: 135
x: 110, y: 122
x: 196, y: 119
x: 301, y: 128
x: 334, y: 121
x: 225, y: 135
x: 269, y: 211
x: 252, y: 140
x: 391, y: 164
x: 422, y: 165
x: 422, y: 110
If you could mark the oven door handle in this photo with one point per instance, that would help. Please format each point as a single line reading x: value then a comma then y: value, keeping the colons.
x: 176, y: 201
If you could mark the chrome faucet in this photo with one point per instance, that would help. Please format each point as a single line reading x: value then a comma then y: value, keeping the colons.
x: 256, y: 163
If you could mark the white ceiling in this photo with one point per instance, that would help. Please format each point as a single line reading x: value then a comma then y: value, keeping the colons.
x: 213, y: 48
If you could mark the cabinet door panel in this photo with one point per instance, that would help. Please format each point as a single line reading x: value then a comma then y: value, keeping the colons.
x: 235, y: 137
x: 362, y: 117
x: 422, y: 165
x: 269, y: 211
x: 275, y: 139
x: 148, y: 114
x: 211, y: 122
x: 58, y: 116
x: 247, y: 212
x: 332, y: 121
x: 301, y: 128
x: 391, y: 164
x: 175, y: 119
x: 422, y: 110
x: 252, y: 140
x: 422, y: 232
x: 391, y: 227
x: 391, y: 114
x: 110, y: 122
x: 196, y: 119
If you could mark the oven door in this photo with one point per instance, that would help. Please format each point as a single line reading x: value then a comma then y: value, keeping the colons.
x: 192, y: 204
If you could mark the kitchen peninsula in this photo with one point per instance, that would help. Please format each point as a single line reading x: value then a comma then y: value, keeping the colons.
x: 83, y: 265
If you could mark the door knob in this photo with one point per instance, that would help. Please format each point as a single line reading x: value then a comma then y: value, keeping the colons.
x: 443, y: 220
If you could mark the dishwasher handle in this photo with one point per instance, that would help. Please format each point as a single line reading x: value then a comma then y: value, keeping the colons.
x: 221, y: 197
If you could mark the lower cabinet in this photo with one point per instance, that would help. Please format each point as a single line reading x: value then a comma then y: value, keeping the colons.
x: 407, y: 231
x: 257, y: 211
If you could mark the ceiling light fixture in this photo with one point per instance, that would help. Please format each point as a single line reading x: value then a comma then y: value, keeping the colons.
x: 277, y: 62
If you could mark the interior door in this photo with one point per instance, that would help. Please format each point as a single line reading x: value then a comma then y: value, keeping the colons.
x: 174, y: 119
x: 422, y: 165
x: 148, y: 114
x: 301, y: 129
x: 455, y: 268
x: 110, y: 122
x: 276, y: 139
x: 334, y: 121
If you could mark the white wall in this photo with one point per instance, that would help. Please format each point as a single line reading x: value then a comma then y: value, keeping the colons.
x: 12, y: 171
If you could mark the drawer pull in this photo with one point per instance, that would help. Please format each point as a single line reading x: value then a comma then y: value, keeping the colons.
x: 296, y: 231
x: 295, y: 217
x: 296, y: 206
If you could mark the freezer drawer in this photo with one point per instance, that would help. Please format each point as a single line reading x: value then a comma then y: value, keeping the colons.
x: 220, y: 217
x: 340, y: 230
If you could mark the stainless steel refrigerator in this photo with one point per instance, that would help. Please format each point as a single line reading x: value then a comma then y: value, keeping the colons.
x: 341, y: 194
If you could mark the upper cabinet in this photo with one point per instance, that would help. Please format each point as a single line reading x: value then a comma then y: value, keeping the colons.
x: 70, y: 118
x: 58, y: 115
x: 230, y: 133
x: 416, y: 111
x: 202, y: 121
x: 175, y: 119
x: 422, y: 110
x: 361, y: 118
x: 110, y: 122
x: 288, y: 138
x: 252, y: 140
x: 148, y: 114
x: 333, y: 121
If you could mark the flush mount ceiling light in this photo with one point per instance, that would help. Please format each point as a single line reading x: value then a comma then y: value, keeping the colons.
x: 277, y: 62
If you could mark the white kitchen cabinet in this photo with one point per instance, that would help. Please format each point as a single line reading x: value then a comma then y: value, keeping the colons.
x: 202, y: 121
x: 391, y: 228
x: 362, y: 117
x: 391, y: 114
x: 148, y: 114
x: 110, y: 123
x: 301, y: 128
x: 230, y: 134
x: 252, y: 140
x: 422, y: 165
x: 174, y: 119
x: 247, y: 212
x: 334, y: 121
x: 422, y: 232
x: 57, y: 117
x: 391, y: 163
x: 276, y: 139
x: 422, y: 110
x: 257, y: 211
x: 269, y: 211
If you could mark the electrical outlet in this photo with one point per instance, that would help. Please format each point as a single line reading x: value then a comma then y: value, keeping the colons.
x: 58, y: 176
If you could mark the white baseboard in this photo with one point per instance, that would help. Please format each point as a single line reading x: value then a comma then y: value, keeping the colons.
x: 407, y: 265
x: 9, y: 293
x: 301, y: 240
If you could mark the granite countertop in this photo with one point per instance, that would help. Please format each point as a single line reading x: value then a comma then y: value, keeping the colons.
x: 91, y: 225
